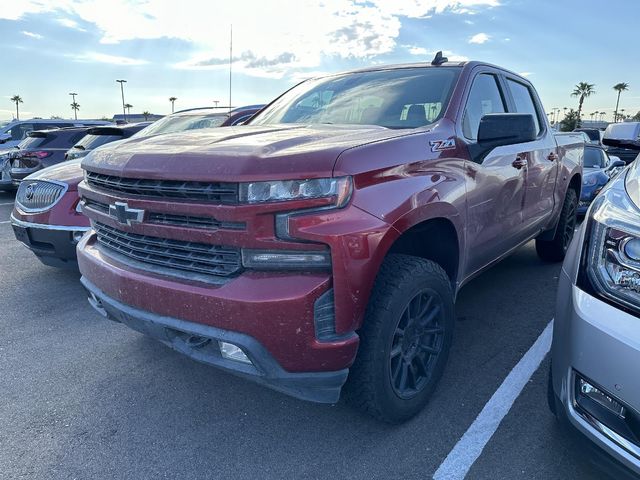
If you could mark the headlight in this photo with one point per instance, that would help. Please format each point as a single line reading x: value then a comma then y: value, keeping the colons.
x: 612, y: 260
x: 589, y: 181
x: 277, y: 259
x: 283, y: 190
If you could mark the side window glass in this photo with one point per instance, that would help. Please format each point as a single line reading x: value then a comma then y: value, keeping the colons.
x: 484, y: 98
x: 524, y: 101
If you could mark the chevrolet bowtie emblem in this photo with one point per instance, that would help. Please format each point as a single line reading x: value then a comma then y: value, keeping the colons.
x: 125, y: 215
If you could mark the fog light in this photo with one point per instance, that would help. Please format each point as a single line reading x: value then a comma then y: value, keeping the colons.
x: 233, y: 352
x: 600, y: 397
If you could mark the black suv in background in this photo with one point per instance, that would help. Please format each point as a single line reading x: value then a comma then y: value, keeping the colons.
x: 98, y: 136
x: 41, y: 149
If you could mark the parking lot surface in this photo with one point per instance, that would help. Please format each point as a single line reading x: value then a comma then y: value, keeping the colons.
x: 83, y: 397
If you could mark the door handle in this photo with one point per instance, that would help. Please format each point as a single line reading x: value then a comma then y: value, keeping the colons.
x: 553, y: 156
x: 519, y: 163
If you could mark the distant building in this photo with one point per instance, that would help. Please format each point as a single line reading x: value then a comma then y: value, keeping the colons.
x: 135, y: 117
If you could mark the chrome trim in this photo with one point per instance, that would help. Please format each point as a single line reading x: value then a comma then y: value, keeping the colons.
x: 24, y: 209
x: 600, y: 427
x: 44, y: 226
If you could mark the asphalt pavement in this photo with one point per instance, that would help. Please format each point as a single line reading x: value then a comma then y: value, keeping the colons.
x: 85, y: 398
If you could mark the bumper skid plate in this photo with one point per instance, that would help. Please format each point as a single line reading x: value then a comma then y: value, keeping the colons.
x: 320, y: 387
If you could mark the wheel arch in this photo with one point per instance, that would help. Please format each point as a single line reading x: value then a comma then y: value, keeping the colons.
x: 434, y: 238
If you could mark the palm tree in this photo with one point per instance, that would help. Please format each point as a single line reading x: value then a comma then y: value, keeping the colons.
x: 172, y: 100
x: 128, y: 106
x: 146, y: 114
x: 619, y: 87
x: 75, y: 106
x: 17, y: 99
x: 582, y: 90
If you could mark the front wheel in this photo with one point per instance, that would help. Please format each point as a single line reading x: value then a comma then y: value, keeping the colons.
x: 405, y: 339
x: 555, y: 249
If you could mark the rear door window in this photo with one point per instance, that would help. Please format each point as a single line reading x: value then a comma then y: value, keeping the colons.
x: 484, y: 98
x: 524, y: 101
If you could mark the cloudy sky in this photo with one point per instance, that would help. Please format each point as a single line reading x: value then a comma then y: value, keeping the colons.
x: 181, y: 48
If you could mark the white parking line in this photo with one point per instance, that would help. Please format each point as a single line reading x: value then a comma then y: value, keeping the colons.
x: 6, y: 204
x: 5, y: 221
x: 470, y: 446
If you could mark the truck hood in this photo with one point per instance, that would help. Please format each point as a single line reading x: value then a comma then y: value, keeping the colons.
x: 236, y: 154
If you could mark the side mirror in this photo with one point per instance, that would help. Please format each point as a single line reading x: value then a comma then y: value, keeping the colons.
x: 617, y: 163
x: 4, y: 137
x: 498, y: 129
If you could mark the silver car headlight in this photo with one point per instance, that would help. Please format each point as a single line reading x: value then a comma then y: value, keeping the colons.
x: 611, y: 261
x: 286, y: 190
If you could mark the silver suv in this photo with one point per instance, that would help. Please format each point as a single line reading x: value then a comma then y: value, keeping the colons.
x: 594, y: 382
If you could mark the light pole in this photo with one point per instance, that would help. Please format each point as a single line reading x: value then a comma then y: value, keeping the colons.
x: 75, y: 112
x: 216, y: 103
x: 122, y: 82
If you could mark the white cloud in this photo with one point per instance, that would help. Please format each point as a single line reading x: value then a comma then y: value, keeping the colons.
x: 104, y: 58
x: 479, y: 38
x: 302, y: 32
x: 69, y: 23
x: 37, y: 36
x: 525, y: 74
x: 417, y: 50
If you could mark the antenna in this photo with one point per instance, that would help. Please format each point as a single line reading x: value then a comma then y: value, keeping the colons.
x: 230, y: 62
x: 439, y: 59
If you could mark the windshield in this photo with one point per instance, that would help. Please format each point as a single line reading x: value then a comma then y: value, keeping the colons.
x: 89, y: 142
x: 399, y: 98
x: 181, y: 123
x: 593, y: 158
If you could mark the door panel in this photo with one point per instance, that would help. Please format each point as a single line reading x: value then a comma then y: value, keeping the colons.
x: 495, y: 199
x: 542, y: 167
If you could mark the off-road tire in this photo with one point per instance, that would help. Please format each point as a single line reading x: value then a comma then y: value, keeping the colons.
x: 370, y: 386
x: 555, y: 250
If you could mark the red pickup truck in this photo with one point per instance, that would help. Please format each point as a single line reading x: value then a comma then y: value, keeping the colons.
x: 320, y: 248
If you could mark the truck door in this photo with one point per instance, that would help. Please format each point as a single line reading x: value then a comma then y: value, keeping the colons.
x: 495, y: 183
x: 542, y: 160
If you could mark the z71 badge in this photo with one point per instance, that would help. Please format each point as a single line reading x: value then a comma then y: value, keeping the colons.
x: 440, y: 145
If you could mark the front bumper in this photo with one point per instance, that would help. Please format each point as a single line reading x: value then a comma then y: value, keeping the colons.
x: 322, y: 387
x: 601, y: 343
x: 54, y: 245
x: 275, y: 308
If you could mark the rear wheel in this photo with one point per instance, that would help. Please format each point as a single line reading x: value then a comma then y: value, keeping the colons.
x: 555, y: 249
x: 405, y: 339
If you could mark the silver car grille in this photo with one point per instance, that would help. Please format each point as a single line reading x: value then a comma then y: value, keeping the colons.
x: 39, y: 195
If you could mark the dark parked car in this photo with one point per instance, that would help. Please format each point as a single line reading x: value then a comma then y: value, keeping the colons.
x: 328, y: 238
x: 98, y: 136
x: 46, y: 217
x: 42, y: 149
x: 598, y: 170
x: 595, y: 135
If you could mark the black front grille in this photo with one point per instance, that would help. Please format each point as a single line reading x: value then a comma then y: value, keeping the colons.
x: 194, y: 222
x: 217, y: 192
x: 176, y: 220
x: 174, y: 254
